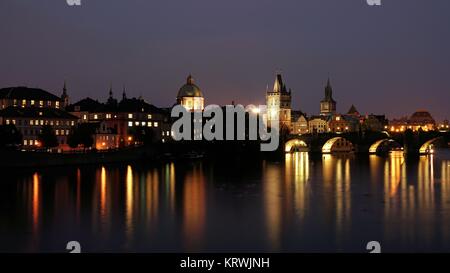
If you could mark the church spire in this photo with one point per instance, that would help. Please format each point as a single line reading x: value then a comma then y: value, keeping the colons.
x: 328, y: 91
x: 124, y: 94
x: 64, y: 89
x: 110, y: 91
x: 64, y: 96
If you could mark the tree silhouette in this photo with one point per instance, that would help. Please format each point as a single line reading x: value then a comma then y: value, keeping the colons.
x: 47, y: 137
x: 9, y: 135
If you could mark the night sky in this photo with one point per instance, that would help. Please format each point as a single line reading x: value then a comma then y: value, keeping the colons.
x: 392, y: 59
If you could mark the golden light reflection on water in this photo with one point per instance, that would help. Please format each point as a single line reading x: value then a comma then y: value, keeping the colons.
x: 336, y: 171
x: 445, y: 198
x: 411, y: 205
x: 170, y: 184
x: 103, y: 195
x: 36, y: 202
x: 194, y: 208
x: 151, y: 201
x: 272, y: 203
x: 129, y: 199
x: 297, y: 172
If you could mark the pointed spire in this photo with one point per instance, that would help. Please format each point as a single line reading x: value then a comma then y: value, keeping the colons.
x: 124, y: 94
x: 110, y: 91
x: 353, y: 111
x: 65, y: 88
x: 278, y: 86
x: 64, y: 96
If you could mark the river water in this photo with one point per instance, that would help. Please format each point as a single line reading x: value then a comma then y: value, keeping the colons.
x: 304, y: 203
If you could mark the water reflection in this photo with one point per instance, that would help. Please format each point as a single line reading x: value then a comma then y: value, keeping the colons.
x: 297, y: 174
x: 337, y: 191
x: 129, y: 226
x: 299, y: 204
x: 272, y: 204
x: 194, y: 208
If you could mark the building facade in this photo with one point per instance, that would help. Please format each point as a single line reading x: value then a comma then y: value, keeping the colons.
x: 343, y: 123
x: 419, y: 120
x: 299, y: 123
x: 29, y: 122
x: 318, y: 124
x: 123, y: 118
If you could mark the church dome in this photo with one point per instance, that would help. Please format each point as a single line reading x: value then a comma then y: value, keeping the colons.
x: 421, y: 117
x: 189, y: 89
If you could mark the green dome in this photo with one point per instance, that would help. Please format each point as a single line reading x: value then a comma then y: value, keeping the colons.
x: 189, y: 89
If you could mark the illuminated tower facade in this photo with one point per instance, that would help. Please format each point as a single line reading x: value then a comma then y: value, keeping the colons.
x: 328, y: 105
x: 278, y: 102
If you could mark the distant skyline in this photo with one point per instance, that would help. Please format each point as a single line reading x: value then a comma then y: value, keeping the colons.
x: 393, y: 59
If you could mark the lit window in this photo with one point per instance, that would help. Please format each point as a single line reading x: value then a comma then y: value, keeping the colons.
x: 108, y: 116
x: 143, y: 123
x: 32, y: 102
x: 149, y: 124
x: 73, y: 123
x: 31, y: 122
x: 155, y: 124
x: 41, y: 103
x: 95, y: 116
x: 57, y: 132
x: 57, y: 104
x: 137, y: 123
x: 7, y: 122
x: 41, y: 122
x: 130, y: 115
x: 24, y: 102
x: 149, y: 116
x: 130, y: 124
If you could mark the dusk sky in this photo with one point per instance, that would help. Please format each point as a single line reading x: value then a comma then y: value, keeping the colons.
x: 391, y: 60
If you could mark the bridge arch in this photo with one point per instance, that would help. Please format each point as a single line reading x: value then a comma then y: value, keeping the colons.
x: 295, y: 145
x: 428, y: 147
x: 337, y: 144
x: 379, y: 143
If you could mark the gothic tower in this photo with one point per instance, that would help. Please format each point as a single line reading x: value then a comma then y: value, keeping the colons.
x: 278, y: 103
x: 328, y: 105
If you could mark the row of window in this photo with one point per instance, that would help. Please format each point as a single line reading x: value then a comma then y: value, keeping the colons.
x: 105, y: 137
x: 30, y: 142
x: 109, y: 116
x: 167, y: 133
x: 33, y: 103
x: 143, y: 123
x: 39, y: 122
x: 36, y: 132
x: 35, y: 142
